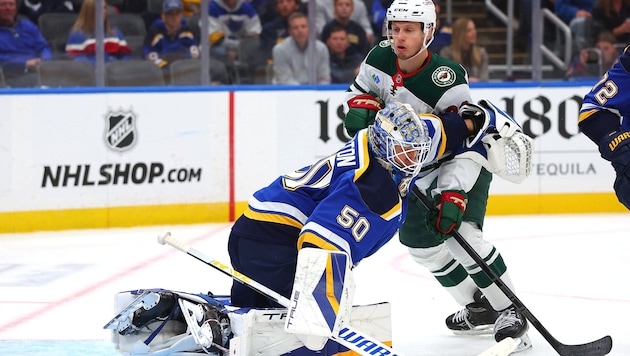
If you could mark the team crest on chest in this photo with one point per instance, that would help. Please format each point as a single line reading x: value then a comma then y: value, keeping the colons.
x: 443, y: 76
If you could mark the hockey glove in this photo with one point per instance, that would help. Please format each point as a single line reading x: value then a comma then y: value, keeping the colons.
x: 615, y: 147
x: 362, y: 110
x: 451, y: 205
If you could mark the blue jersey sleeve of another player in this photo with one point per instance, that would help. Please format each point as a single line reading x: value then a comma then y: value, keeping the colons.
x: 605, y: 106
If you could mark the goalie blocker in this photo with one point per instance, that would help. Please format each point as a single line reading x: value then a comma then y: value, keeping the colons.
x: 322, y: 295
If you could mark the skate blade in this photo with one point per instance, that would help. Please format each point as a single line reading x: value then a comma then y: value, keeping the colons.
x: 523, y: 343
x: 479, y: 330
x: 503, y: 348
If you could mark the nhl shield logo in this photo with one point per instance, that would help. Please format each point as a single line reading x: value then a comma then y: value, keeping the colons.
x: 120, y: 134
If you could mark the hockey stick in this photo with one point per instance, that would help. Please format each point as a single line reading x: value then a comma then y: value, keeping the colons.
x: 593, y: 348
x: 348, y: 336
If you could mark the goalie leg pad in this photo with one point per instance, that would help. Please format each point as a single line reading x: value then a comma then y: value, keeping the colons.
x: 261, y: 332
x: 322, y: 293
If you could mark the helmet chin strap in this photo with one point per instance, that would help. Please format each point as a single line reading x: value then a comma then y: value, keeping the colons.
x: 415, y: 55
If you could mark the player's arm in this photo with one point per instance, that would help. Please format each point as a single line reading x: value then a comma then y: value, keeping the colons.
x: 598, y: 123
x: 603, y: 128
x: 361, y: 102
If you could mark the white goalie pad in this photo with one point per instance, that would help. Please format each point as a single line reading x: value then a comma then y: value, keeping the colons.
x: 322, y: 295
x: 509, y: 157
x: 245, y: 331
x: 260, y: 332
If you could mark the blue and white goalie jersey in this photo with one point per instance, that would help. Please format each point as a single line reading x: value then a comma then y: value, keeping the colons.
x: 346, y: 202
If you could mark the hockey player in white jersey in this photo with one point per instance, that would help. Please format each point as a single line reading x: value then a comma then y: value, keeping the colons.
x: 402, y: 68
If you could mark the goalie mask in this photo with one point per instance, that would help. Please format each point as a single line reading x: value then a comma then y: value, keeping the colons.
x: 422, y: 11
x: 399, y: 140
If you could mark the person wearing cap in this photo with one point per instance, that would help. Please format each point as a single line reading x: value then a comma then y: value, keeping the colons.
x: 169, y: 39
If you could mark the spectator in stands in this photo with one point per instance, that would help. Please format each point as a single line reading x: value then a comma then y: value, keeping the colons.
x: 465, y: 51
x: 594, y: 62
x: 265, y: 10
x: 191, y: 7
x: 290, y: 60
x: 33, y: 9
x: 229, y: 22
x: 356, y: 34
x: 81, y: 44
x: 613, y: 16
x: 443, y: 31
x: 378, y: 11
x: 168, y: 39
x: 344, y: 59
x: 577, y: 14
x: 22, y: 47
x: 276, y: 30
x: 326, y: 13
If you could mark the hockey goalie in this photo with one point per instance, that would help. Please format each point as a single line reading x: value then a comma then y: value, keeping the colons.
x: 294, y: 249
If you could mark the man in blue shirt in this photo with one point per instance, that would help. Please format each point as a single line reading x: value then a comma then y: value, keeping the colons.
x: 22, y: 47
x: 168, y: 39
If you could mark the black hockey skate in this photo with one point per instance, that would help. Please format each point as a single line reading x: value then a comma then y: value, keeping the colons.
x: 477, y: 318
x: 511, y: 323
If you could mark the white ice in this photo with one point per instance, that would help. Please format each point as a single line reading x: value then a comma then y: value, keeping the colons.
x: 569, y: 270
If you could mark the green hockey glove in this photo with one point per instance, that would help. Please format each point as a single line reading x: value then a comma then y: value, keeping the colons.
x: 362, y: 110
x: 451, y: 205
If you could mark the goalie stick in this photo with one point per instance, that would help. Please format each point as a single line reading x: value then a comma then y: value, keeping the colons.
x: 348, y: 336
x: 594, y: 348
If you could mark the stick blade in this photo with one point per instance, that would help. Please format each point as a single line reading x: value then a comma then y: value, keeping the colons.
x: 596, y: 348
x: 502, y: 348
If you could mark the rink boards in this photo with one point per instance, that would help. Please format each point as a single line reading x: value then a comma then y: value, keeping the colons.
x: 104, y: 158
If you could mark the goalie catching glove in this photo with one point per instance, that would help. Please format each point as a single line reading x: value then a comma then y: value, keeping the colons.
x: 451, y: 205
x: 487, y: 119
x: 362, y: 110
x: 615, y: 147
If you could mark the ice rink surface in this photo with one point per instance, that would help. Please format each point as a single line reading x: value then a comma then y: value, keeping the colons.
x: 57, y: 288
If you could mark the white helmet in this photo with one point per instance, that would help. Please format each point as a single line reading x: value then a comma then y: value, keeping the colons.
x: 422, y: 11
x: 400, y: 139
